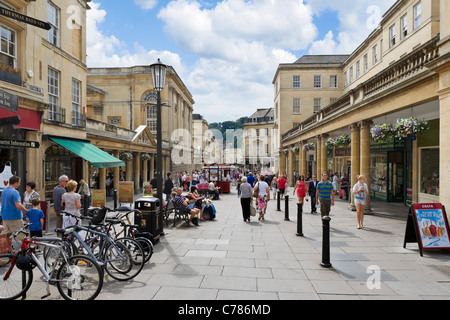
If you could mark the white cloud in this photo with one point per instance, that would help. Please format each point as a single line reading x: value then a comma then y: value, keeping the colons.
x: 241, y: 44
x: 357, y: 20
x: 109, y: 51
x: 146, y: 4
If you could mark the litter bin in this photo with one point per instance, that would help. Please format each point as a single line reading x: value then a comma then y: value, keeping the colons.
x: 150, y: 221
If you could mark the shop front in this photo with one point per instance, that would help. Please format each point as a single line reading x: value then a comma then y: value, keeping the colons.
x: 388, y: 163
x: 16, y: 133
x: 71, y: 157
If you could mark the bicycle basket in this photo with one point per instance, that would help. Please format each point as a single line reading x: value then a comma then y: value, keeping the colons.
x: 99, y: 216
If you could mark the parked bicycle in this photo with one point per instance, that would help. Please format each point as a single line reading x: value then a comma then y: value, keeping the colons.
x: 122, y: 259
x: 77, y: 277
x: 129, y: 230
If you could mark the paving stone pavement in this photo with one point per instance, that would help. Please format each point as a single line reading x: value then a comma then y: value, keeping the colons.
x: 229, y: 259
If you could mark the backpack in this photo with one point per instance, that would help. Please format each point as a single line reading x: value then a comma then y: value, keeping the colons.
x: 213, y: 215
x: 99, y: 216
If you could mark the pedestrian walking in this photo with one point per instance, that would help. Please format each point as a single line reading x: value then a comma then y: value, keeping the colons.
x: 29, y: 195
x: 344, y: 185
x: 12, y: 209
x: 274, y: 187
x: 168, y: 186
x: 85, y: 193
x: 263, y: 197
x: 71, y: 202
x: 361, y: 192
x: 302, y: 189
x: 36, y: 217
x: 325, y: 195
x: 282, y: 184
x: 246, y: 198
x: 58, y: 191
x: 312, y: 188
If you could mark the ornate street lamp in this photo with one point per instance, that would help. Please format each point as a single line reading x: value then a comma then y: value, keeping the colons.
x: 159, y: 77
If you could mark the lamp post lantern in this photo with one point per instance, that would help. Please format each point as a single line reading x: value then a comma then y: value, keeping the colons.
x: 159, y: 77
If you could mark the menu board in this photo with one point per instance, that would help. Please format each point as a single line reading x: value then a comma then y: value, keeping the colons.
x: 428, y: 226
x: 98, y: 197
x: 126, y: 191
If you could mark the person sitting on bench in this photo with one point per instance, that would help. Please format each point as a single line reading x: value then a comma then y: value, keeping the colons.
x: 181, y: 202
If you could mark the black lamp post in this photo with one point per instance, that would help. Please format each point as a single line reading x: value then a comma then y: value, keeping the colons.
x: 159, y: 77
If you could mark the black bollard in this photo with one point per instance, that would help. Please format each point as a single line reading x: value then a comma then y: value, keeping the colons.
x: 85, y: 205
x: 326, y: 242
x: 115, y: 199
x: 278, y: 201
x: 299, y: 219
x: 286, y: 208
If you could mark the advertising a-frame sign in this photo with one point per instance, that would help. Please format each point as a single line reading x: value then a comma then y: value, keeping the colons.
x: 427, y: 225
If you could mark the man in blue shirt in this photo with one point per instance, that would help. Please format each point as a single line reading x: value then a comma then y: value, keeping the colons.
x: 250, y: 179
x: 325, y: 195
x: 12, y: 208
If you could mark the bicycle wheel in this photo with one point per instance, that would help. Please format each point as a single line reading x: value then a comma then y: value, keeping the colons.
x: 53, y: 256
x: 120, y: 263
x: 17, y: 283
x: 81, y: 278
x: 135, y: 248
x: 147, y: 245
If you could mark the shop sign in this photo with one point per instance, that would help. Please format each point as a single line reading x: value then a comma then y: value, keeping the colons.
x: 13, y: 144
x: 342, y: 152
x: 428, y: 226
x: 8, y: 101
x: 26, y: 19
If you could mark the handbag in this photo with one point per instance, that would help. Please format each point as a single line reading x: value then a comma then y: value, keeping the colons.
x: 256, y: 192
x: 252, y: 210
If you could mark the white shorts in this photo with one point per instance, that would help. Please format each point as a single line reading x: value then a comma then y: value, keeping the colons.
x: 363, y: 202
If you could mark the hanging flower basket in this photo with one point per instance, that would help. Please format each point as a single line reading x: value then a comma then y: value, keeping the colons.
x: 330, y: 142
x: 342, y: 141
x: 382, y: 133
x: 145, y: 156
x: 286, y: 151
x: 402, y: 128
x: 309, y: 146
x: 295, y: 149
x: 126, y: 156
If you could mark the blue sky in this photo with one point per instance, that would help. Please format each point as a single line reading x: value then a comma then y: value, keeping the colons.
x: 226, y: 52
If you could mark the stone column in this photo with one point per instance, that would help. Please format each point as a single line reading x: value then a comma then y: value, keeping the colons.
x: 355, y: 169
x: 129, y: 171
x: 152, y: 167
x: 318, y: 157
x: 102, y: 178
x: 324, y: 153
x: 290, y: 164
x: 145, y: 170
x: 365, y: 158
x: 282, y: 163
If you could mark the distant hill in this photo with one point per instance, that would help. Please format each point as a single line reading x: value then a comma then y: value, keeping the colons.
x: 224, y: 126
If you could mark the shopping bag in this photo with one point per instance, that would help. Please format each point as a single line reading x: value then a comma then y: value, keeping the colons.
x: 252, y: 210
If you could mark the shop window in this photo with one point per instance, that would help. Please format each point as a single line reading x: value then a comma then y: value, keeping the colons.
x: 378, y: 175
x: 429, y: 169
x: 58, y: 161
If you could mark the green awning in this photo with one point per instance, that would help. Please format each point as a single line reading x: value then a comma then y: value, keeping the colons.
x: 97, y: 157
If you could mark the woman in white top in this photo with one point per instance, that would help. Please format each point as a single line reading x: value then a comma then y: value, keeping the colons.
x: 263, y: 197
x: 361, y: 192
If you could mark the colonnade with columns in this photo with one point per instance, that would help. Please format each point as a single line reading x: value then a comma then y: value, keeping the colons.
x: 360, y: 158
x: 133, y: 169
